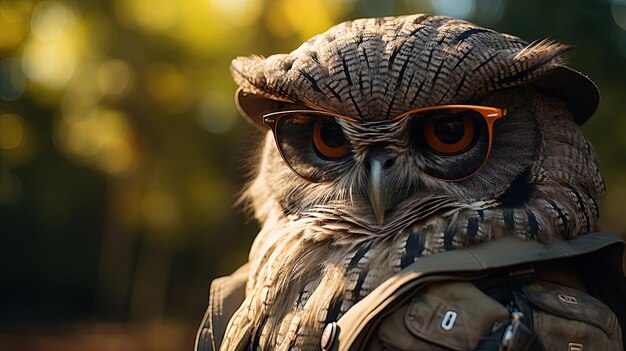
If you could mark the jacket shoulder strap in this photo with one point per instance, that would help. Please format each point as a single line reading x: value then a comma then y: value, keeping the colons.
x: 225, y: 296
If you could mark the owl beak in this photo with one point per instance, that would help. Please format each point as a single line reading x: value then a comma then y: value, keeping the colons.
x: 376, y: 192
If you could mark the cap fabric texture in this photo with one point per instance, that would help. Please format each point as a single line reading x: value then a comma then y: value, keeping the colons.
x: 377, y: 68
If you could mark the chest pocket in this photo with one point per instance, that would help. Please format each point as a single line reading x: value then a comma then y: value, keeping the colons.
x: 571, y: 320
x: 452, y: 315
x: 456, y: 315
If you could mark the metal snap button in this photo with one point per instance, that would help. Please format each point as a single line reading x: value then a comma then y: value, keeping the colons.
x: 329, y: 335
x: 568, y: 299
x: 448, y: 320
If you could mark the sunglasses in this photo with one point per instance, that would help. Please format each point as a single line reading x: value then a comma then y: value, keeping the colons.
x: 451, y: 143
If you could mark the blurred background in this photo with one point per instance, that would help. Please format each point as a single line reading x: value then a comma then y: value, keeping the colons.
x: 120, y: 149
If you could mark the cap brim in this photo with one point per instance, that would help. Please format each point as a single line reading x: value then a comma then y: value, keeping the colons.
x: 253, y: 106
x: 576, y: 89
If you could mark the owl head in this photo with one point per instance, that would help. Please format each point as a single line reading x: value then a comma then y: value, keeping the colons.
x: 379, y: 123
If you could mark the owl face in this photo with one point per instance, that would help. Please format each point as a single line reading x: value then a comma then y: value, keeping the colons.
x: 366, y: 157
x: 465, y: 154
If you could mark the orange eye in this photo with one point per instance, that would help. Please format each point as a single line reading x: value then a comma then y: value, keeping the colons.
x: 329, y: 140
x: 450, y: 135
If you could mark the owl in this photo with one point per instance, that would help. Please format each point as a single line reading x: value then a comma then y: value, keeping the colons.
x: 388, y: 139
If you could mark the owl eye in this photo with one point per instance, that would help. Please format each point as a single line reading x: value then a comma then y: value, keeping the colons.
x: 450, y: 135
x: 329, y: 140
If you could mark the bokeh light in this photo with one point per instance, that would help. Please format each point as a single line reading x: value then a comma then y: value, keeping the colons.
x: 619, y: 15
x: 49, y: 63
x: 169, y: 87
x: 51, y: 20
x: 113, y: 77
x: 285, y: 18
x: 215, y: 112
x: 11, y: 131
x: 14, y: 19
x: 17, y: 143
x: 12, y: 79
x: 102, y: 137
x: 372, y: 8
x: 149, y: 15
x: 488, y: 12
x: 454, y: 8
x: 239, y: 12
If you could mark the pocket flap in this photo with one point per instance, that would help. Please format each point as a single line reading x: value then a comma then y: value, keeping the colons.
x: 455, y: 315
x: 572, y: 304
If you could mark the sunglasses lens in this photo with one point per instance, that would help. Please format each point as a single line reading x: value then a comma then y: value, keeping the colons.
x: 313, y: 146
x: 451, y: 144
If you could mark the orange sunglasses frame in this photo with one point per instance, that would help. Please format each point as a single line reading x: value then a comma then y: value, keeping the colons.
x: 490, y: 114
